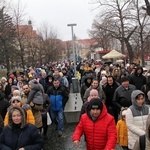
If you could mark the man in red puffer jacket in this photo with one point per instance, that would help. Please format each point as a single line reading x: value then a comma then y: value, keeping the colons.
x: 98, y: 127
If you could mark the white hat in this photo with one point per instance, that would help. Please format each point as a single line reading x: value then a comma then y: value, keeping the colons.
x: 3, y: 78
x: 103, y: 72
x: 18, y: 98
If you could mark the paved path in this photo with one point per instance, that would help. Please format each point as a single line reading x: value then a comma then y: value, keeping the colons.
x: 62, y: 143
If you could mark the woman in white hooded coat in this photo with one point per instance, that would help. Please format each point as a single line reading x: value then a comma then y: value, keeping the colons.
x: 136, y: 117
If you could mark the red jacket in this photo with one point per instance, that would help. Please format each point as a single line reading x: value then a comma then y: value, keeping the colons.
x: 101, y: 134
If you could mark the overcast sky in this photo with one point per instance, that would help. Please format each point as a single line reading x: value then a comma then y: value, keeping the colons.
x: 59, y: 13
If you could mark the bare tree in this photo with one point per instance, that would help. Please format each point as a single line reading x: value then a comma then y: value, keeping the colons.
x: 18, y: 12
x: 143, y: 29
x: 147, y: 8
x: 101, y: 35
x: 51, y: 45
x: 116, y: 20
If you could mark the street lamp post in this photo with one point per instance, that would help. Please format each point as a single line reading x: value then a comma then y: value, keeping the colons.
x: 71, y: 25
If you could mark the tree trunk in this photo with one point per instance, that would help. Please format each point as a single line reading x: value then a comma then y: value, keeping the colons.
x: 6, y: 56
x: 22, y: 58
x: 129, y: 49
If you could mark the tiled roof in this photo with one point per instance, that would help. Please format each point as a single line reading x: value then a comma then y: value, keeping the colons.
x: 83, y: 42
x: 27, y: 31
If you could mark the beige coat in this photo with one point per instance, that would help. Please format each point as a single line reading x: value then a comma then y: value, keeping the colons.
x: 37, y: 115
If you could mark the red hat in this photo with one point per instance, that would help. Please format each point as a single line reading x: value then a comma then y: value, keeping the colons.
x: 11, y: 76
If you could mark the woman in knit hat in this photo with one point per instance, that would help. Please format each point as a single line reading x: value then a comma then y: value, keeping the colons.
x: 98, y: 127
x: 4, y: 82
x: 17, y: 102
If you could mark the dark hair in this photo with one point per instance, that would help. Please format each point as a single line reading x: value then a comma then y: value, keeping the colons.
x: 94, y: 80
x: 137, y: 97
x: 125, y: 78
x: 110, y: 76
x: 56, y: 79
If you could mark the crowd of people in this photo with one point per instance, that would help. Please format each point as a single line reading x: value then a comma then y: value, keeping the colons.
x: 116, y: 103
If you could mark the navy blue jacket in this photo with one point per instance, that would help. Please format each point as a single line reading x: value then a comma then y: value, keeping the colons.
x: 58, y: 97
x: 27, y: 137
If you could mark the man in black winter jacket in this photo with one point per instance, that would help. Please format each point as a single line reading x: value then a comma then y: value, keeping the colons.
x: 138, y: 79
x: 122, y: 95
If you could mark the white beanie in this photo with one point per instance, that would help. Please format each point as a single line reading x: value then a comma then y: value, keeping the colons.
x: 18, y: 98
x: 103, y: 72
x: 104, y: 78
x: 3, y: 78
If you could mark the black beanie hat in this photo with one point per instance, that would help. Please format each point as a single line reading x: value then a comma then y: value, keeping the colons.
x: 123, y: 79
x: 95, y: 103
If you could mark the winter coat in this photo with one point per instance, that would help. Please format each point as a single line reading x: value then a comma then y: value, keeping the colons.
x: 68, y: 76
x: 58, y: 97
x: 122, y: 97
x: 30, y: 117
x: 136, y: 117
x: 101, y: 93
x: 122, y: 135
x: 48, y: 84
x: 36, y: 110
x: 4, y: 104
x: 147, y: 133
x: 46, y: 106
x: 138, y: 79
x: 42, y: 82
x: 100, y: 134
x: 145, y: 89
x: 109, y: 92
x: 35, y: 95
x: 147, y: 137
x: 85, y: 85
x: 84, y: 108
x: 27, y: 137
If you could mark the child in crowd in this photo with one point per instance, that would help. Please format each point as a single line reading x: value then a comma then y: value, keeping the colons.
x: 122, y: 133
x: 93, y: 94
x: 36, y: 93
